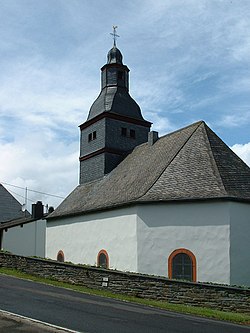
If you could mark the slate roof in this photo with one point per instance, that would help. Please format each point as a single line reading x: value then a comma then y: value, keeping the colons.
x: 10, y: 208
x: 114, y: 96
x: 192, y: 163
x: 114, y: 56
x: 115, y: 100
x: 16, y: 222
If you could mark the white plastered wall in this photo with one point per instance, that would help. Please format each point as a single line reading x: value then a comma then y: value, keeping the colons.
x: 141, y: 238
x: 240, y: 243
x: 202, y: 228
x: 28, y: 240
x: 82, y: 237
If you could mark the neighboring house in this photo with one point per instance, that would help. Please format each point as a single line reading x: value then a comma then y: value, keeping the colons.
x: 176, y: 206
x: 25, y: 236
x: 10, y: 208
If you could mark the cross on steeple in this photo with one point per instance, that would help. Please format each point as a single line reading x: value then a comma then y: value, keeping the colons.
x: 114, y: 34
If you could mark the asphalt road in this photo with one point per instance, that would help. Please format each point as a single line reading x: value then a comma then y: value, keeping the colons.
x: 93, y: 314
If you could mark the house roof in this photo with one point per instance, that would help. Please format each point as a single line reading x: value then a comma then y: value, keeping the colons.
x: 10, y: 208
x: 19, y: 221
x: 192, y: 163
x: 15, y: 222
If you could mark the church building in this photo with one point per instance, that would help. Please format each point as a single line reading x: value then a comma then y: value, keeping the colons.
x: 176, y: 206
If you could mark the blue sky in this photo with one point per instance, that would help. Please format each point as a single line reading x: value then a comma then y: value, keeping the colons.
x: 189, y: 60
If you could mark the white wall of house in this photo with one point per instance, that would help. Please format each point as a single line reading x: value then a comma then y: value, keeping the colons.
x: 82, y: 237
x: 141, y: 238
x: 240, y: 243
x: 202, y: 228
x: 28, y: 240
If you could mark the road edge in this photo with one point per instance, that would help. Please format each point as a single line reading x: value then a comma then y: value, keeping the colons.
x: 28, y: 320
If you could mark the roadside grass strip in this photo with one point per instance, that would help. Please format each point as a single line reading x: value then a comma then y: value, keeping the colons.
x: 239, y: 318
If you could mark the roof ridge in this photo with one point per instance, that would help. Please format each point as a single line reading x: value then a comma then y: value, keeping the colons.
x: 211, y: 154
x: 231, y: 169
x: 198, y: 124
x: 105, y: 102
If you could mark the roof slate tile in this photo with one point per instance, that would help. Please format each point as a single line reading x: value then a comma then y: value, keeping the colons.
x: 192, y: 163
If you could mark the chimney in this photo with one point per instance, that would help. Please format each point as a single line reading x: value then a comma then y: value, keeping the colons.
x: 37, y: 210
x: 152, y: 137
x: 51, y: 209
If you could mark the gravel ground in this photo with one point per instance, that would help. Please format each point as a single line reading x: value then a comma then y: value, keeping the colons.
x: 10, y: 323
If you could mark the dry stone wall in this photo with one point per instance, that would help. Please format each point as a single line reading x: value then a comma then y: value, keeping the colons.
x: 157, y: 288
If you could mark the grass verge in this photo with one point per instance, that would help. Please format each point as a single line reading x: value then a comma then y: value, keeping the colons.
x: 239, y: 318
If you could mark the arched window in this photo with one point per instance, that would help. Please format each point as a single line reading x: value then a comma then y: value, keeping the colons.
x: 182, y: 265
x: 60, y: 256
x: 103, y: 259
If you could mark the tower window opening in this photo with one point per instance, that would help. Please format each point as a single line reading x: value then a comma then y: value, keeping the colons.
x: 92, y: 136
x: 120, y: 75
x: 124, y: 131
x: 132, y: 134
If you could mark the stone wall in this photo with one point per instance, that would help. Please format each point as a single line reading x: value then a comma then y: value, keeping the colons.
x: 196, y: 294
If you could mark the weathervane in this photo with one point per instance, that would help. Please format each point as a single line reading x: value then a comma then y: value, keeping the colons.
x: 114, y: 34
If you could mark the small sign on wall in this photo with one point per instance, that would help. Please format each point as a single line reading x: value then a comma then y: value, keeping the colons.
x: 105, y: 281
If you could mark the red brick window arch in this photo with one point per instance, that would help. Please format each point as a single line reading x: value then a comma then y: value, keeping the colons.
x: 182, y: 265
x: 60, y: 256
x: 103, y: 259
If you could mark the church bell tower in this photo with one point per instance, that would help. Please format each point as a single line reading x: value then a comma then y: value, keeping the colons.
x: 114, y: 126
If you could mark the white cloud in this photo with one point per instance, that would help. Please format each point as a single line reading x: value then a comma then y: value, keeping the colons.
x: 42, y: 164
x: 31, y: 90
x: 243, y: 151
x: 238, y: 118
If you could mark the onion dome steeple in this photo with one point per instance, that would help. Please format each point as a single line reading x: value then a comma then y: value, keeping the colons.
x: 115, y: 125
x: 114, y: 96
x: 114, y: 56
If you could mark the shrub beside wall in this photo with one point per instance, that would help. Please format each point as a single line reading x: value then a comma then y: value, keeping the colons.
x: 158, y: 288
